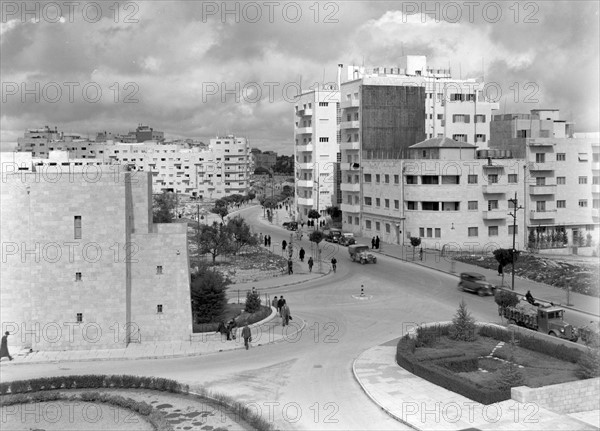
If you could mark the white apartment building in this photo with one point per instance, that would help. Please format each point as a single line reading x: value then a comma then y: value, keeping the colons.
x: 316, y: 150
x: 562, y: 173
x: 385, y: 110
x: 221, y: 169
x: 444, y: 193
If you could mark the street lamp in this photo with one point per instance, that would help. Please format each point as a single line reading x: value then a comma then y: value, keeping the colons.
x: 513, y: 214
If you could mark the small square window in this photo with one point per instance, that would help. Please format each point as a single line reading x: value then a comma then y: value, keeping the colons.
x: 78, y: 276
x: 159, y: 269
x: 473, y: 231
x: 472, y: 179
x: 79, y: 317
x: 159, y: 308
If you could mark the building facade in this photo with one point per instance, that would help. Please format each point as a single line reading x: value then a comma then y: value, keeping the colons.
x: 562, y: 175
x: 384, y: 111
x: 316, y: 151
x: 84, y: 266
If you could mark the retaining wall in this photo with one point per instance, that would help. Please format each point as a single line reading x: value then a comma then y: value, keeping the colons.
x: 570, y: 397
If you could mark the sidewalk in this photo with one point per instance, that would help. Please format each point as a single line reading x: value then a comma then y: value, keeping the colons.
x: 540, y: 291
x: 423, y: 405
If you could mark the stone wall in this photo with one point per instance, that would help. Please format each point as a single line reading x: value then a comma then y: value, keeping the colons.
x: 570, y: 397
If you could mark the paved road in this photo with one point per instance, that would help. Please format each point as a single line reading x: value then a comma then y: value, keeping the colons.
x: 307, y: 383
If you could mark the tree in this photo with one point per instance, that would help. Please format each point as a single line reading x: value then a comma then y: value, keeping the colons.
x: 262, y: 171
x: 463, y: 325
x: 312, y: 215
x: 208, y: 294
x: 250, y: 196
x: 252, y: 301
x: 240, y: 234
x: 215, y: 239
x: 220, y: 209
x: 317, y: 236
x: 288, y: 191
x: 334, y: 212
x: 504, y: 256
x: 505, y: 298
x: 163, y: 208
x: 415, y: 241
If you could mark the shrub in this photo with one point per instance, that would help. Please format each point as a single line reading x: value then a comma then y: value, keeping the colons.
x: 252, y: 301
x: 208, y: 294
x: 463, y: 325
x: 589, y: 364
x: 499, y: 334
x: 510, y: 375
x: 427, y: 336
x: 4, y: 388
x: 506, y: 298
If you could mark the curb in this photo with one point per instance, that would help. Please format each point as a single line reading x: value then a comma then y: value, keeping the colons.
x: 174, y: 356
x: 386, y: 411
x: 525, y: 279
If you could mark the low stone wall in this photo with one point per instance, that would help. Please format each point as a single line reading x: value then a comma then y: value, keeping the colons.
x: 570, y: 397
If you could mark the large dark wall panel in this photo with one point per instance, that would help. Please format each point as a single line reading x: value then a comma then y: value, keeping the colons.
x: 393, y: 119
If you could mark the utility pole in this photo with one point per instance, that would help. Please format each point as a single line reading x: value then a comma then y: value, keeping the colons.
x: 513, y: 214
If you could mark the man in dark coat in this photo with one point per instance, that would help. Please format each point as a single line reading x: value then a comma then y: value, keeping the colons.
x: 4, y: 347
x: 301, y: 254
x: 283, y: 244
x: 373, y: 243
x: 290, y: 267
x: 377, y: 242
x: 280, y: 304
x: 247, y: 336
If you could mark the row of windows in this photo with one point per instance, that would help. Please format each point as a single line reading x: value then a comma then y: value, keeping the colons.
x: 492, y: 231
x: 386, y: 178
x: 562, y: 157
x: 369, y: 202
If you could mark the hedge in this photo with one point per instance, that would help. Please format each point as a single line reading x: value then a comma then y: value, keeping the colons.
x: 156, y: 418
x: 26, y: 391
x: 559, y: 351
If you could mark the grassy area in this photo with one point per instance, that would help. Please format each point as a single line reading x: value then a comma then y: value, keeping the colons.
x: 581, y: 278
x: 233, y: 311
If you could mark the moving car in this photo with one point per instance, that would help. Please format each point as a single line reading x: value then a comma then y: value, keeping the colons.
x: 361, y: 253
x: 475, y: 282
x: 346, y: 239
x: 333, y: 235
x: 291, y: 225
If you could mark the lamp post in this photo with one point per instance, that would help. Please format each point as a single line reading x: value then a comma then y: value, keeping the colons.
x: 513, y: 214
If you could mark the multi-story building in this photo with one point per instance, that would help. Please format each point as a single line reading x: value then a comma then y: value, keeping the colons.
x: 316, y: 150
x: 84, y: 266
x: 445, y: 193
x: 263, y: 159
x: 37, y: 141
x: 384, y: 111
x: 221, y: 169
x: 562, y: 176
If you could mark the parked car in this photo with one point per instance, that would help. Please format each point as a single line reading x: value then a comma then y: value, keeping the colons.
x: 333, y: 235
x: 291, y: 225
x: 361, y: 253
x: 346, y: 239
x: 475, y: 282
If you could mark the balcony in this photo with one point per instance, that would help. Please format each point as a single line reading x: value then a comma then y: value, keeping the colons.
x: 305, y: 183
x: 548, y: 189
x: 495, y: 214
x: 304, y: 112
x: 350, y: 187
x: 345, y: 146
x: 545, y: 166
x: 494, y: 188
x: 309, y: 166
x: 350, y: 209
x: 542, y: 215
x: 308, y: 148
x: 349, y: 167
x: 541, y: 142
x: 304, y: 130
x: 595, y: 213
x: 349, y: 124
x: 305, y: 201
x: 595, y: 188
x: 354, y: 103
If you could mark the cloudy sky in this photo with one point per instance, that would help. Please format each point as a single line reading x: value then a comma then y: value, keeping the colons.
x: 177, y: 65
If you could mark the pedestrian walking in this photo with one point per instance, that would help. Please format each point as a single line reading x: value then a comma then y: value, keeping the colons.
x: 377, y: 242
x: 421, y: 253
x: 4, y: 347
x: 373, y: 243
x: 290, y: 267
x: 285, y: 315
x: 500, y: 269
x: 310, y: 264
x: 280, y: 304
x: 269, y: 241
x: 266, y: 240
x: 334, y: 264
x: 283, y: 245
x: 274, y: 303
x: 301, y: 254
x: 247, y: 336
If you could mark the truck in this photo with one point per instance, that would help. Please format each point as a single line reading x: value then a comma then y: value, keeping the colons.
x: 548, y: 320
x: 361, y: 253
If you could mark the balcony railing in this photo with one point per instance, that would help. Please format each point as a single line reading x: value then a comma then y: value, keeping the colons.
x: 305, y: 201
x: 542, y: 166
x: 305, y: 183
x: 350, y: 208
x: 546, y: 189
x: 345, y: 146
x: 495, y: 214
x: 347, y: 187
x: 349, y: 124
x: 494, y: 188
x: 304, y: 112
x: 542, y: 214
x: 354, y: 103
x: 304, y: 130
x: 305, y: 148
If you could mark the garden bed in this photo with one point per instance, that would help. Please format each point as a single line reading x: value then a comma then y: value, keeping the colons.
x: 474, y: 369
x: 581, y: 278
